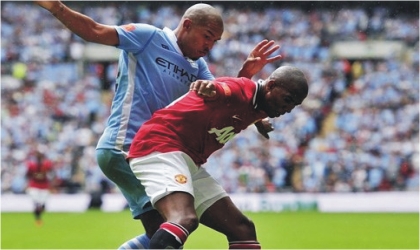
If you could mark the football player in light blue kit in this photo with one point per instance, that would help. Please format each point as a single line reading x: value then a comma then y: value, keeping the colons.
x: 156, y: 66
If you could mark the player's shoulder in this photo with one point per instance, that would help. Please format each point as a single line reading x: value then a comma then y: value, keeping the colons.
x: 238, y: 81
x: 201, y: 63
x: 138, y: 27
x: 230, y: 86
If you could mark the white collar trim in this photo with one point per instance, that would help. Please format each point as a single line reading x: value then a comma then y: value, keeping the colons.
x: 171, y: 35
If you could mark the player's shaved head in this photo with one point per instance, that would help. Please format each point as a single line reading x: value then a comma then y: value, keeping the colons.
x: 200, y: 28
x: 202, y: 14
x: 293, y: 79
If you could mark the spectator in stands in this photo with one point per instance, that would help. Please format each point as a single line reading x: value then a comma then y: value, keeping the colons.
x: 30, y: 37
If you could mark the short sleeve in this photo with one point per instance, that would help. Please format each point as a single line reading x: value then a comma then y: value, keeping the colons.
x: 135, y: 36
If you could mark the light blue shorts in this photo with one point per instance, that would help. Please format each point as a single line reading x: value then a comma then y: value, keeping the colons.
x: 114, y: 165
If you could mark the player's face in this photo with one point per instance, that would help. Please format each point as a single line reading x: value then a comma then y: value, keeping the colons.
x: 200, y: 40
x: 279, y: 101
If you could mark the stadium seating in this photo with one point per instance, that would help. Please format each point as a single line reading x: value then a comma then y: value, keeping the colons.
x: 356, y: 132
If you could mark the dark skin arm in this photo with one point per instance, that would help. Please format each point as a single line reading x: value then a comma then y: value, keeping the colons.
x: 81, y: 25
x: 257, y: 59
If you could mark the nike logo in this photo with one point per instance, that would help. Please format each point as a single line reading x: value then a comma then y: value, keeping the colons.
x: 236, y: 117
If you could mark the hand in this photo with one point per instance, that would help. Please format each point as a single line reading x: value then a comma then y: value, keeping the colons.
x: 264, y: 127
x: 258, y: 58
x: 204, y: 88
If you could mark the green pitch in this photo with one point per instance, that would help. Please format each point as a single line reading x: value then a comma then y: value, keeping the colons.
x: 287, y: 230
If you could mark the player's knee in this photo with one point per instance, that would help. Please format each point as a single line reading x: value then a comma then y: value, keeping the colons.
x: 249, y: 226
x: 190, y: 222
x: 244, y: 230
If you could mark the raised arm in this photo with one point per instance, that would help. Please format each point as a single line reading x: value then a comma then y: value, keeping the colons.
x: 258, y: 58
x: 81, y: 25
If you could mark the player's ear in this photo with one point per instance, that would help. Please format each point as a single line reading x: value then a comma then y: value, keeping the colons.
x: 187, y: 23
x: 271, y: 84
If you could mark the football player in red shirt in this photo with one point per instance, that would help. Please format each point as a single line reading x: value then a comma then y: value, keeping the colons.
x: 39, y: 174
x: 168, y: 150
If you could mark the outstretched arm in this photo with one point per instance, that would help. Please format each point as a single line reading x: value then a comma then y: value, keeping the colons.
x: 80, y: 24
x: 258, y: 58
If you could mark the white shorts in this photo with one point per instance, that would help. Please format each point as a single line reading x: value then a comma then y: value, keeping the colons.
x: 164, y: 173
x: 38, y: 195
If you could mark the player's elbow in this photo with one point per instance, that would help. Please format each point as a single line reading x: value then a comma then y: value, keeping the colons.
x: 103, y: 34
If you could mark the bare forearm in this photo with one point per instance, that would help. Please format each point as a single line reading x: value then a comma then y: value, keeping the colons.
x: 84, y: 26
x: 243, y: 73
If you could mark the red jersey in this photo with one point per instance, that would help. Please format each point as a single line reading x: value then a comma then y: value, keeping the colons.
x: 37, y: 174
x: 199, y: 126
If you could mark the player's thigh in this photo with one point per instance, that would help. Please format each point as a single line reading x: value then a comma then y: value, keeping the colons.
x: 217, y: 211
x: 162, y: 174
x: 178, y: 207
x: 114, y: 165
x: 44, y: 194
x: 38, y: 195
x: 207, y: 191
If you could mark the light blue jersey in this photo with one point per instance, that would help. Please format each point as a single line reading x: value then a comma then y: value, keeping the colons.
x: 152, y: 73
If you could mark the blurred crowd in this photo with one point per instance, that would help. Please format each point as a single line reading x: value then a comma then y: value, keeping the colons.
x: 357, y: 131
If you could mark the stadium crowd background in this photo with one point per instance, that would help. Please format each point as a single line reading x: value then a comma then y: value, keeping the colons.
x: 356, y: 132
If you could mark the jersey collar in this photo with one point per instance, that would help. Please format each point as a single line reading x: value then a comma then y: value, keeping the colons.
x: 260, y: 85
x: 171, y: 35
